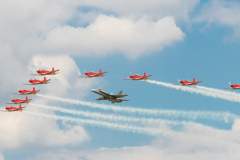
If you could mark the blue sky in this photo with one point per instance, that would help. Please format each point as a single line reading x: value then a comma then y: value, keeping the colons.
x: 169, y: 40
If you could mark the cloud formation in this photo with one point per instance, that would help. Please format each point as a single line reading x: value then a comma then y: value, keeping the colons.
x: 21, y: 130
x: 110, y: 35
x: 221, y: 12
x: 45, y: 27
x: 193, y: 142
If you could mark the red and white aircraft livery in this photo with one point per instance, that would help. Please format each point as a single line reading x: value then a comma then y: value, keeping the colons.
x: 234, y: 86
x: 44, y: 73
x: 11, y: 109
x: 137, y: 77
x: 26, y: 92
x: 36, y: 82
x: 18, y: 101
x: 92, y: 74
x: 188, y: 83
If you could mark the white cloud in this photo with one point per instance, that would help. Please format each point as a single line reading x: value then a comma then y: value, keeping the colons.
x: 23, y: 130
x: 42, y: 27
x: 221, y: 12
x: 193, y: 142
x: 14, y: 73
x: 108, y: 35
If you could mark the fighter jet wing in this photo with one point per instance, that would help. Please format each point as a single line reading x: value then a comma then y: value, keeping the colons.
x: 119, y: 96
x: 100, y: 93
x: 101, y: 98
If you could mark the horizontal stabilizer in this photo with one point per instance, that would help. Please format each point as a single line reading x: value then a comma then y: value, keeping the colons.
x: 198, y: 82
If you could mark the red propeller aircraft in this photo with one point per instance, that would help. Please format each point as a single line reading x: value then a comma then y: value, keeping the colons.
x: 36, y: 82
x: 26, y: 92
x: 188, y: 83
x: 92, y: 74
x: 44, y: 73
x: 18, y: 101
x: 11, y: 109
x: 234, y: 86
x: 137, y: 77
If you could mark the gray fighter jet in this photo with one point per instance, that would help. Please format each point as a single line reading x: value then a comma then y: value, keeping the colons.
x: 111, y: 97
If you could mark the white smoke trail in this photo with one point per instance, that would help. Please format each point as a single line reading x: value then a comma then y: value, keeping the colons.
x: 219, y: 91
x: 226, y: 116
x: 199, y: 91
x: 112, y: 117
x: 149, y: 131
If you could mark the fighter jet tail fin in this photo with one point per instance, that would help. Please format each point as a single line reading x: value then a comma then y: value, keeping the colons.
x: 119, y: 93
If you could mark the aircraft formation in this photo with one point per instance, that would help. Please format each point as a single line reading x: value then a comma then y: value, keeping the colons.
x: 30, y: 92
x: 104, y: 95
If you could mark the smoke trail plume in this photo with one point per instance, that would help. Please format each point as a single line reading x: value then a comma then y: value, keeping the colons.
x: 112, y: 117
x: 226, y: 116
x: 219, y: 91
x: 205, y: 92
x: 149, y: 131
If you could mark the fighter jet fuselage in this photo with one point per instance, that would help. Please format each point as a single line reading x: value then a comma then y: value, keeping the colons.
x: 111, y: 97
